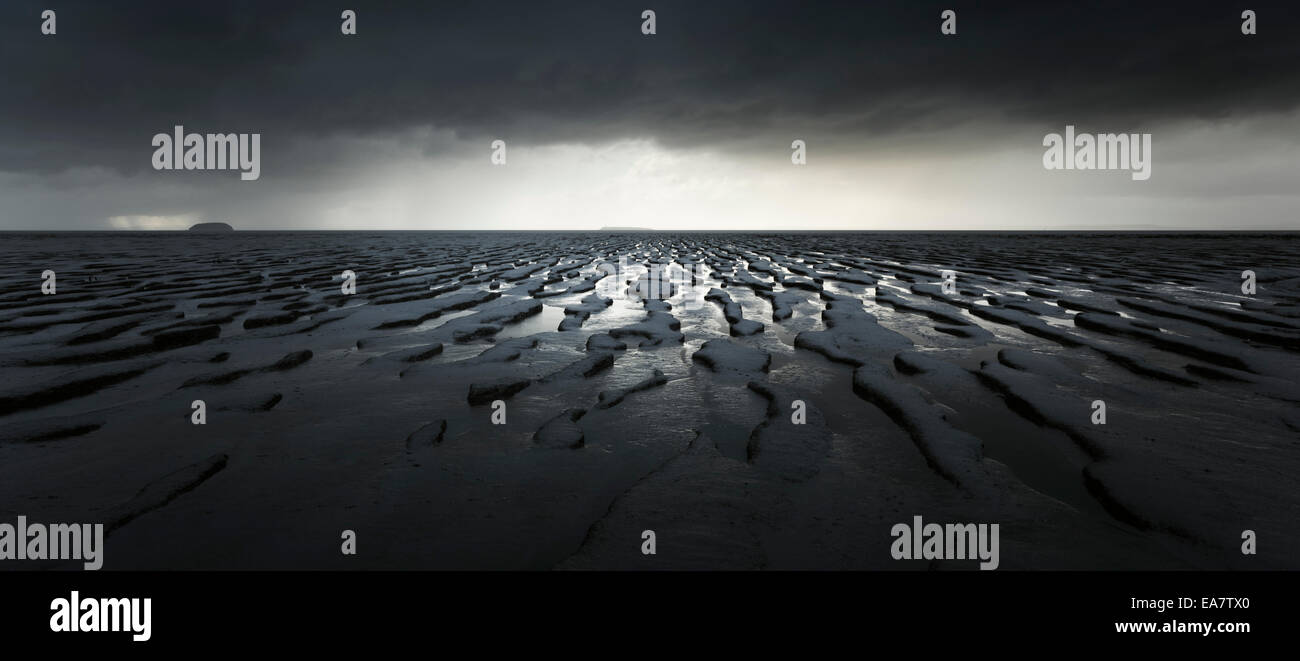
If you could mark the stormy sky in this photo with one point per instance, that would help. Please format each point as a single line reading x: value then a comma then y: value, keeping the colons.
x: 689, y: 128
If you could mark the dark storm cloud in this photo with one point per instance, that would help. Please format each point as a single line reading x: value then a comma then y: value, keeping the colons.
x: 536, y: 72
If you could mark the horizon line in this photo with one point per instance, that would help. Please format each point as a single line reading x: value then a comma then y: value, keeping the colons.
x: 670, y: 231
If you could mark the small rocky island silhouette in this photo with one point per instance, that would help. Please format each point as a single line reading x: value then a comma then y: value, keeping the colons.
x: 212, y: 227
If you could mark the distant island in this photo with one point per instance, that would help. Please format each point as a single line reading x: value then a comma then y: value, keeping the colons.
x: 628, y: 229
x: 212, y: 227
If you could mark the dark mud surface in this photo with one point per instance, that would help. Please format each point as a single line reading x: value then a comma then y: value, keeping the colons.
x: 374, y: 411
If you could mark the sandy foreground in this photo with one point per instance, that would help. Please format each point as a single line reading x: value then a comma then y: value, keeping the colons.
x: 373, y: 411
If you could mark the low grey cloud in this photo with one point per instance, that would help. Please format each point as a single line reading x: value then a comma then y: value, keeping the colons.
x: 731, y: 77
